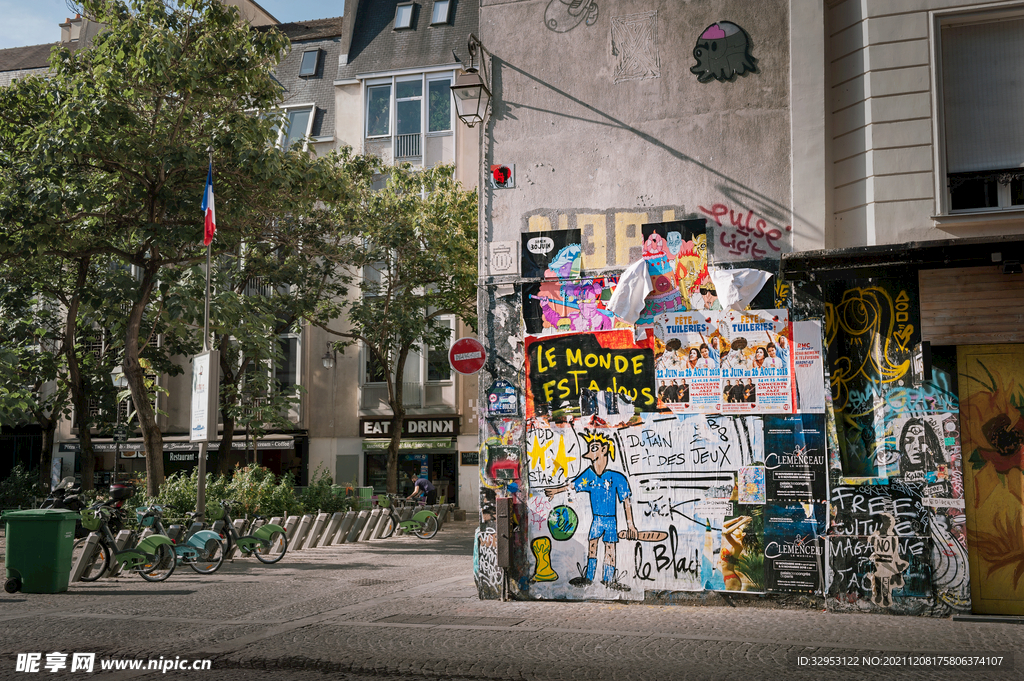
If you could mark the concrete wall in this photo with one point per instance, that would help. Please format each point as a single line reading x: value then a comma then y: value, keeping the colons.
x: 598, y: 120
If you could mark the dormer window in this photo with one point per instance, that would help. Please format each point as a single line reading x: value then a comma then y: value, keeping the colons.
x: 439, y: 15
x: 309, y: 62
x: 403, y: 16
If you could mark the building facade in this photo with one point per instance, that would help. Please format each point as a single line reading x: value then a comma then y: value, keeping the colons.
x: 338, y: 72
x: 755, y: 293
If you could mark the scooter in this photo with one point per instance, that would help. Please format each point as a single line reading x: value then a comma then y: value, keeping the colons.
x: 65, y: 495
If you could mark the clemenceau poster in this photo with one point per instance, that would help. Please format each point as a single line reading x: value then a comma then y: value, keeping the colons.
x: 725, y: 362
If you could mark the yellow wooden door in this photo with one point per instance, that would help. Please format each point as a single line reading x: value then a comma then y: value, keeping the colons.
x: 991, y: 384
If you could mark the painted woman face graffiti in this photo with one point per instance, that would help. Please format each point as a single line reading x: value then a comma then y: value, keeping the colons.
x: 722, y: 53
x: 918, y: 443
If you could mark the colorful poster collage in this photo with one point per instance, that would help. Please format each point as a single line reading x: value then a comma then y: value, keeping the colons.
x: 728, y: 362
x: 689, y: 380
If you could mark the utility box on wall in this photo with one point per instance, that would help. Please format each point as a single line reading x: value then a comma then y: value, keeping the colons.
x: 503, y: 526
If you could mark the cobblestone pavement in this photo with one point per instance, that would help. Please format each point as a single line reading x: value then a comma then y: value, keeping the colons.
x: 405, y: 608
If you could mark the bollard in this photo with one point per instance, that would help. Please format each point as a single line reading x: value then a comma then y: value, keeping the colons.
x: 382, y: 524
x: 314, y: 533
x: 90, y: 548
x: 371, y: 522
x: 290, y: 525
x: 441, y: 514
x: 406, y: 514
x: 300, y: 534
x: 332, y: 529
x: 357, y: 526
x: 346, y: 526
x: 239, y: 526
x: 119, y: 541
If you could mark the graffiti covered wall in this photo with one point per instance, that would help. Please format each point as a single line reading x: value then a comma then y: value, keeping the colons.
x: 677, y: 429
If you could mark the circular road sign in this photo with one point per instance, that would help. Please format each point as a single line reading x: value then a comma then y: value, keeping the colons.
x: 467, y: 356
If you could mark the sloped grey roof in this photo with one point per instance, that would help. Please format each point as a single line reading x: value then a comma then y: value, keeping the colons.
x: 377, y: 46
x: 28, y: 57
x: 316, y: 29
x: 324, y: 35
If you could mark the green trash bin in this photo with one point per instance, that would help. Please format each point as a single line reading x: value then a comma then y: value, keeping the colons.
x: 39, y: 545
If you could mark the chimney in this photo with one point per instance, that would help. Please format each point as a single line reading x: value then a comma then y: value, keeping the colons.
x: 71, y: 29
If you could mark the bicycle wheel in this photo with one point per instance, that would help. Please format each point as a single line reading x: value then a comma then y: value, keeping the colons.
x: 162, y: 566
x: 428, y: 529
x: 392, y: 522
x: 96, y: 565
x: 211, y: 557
x: 274, y: 551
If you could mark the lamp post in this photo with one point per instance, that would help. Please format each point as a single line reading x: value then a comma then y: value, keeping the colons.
x: 470, y: 89
x: 119, y: 381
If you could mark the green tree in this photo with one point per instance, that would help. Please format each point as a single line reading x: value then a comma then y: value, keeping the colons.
x: 107, y: 156
x: 33, y: 382
x: 412, y: 248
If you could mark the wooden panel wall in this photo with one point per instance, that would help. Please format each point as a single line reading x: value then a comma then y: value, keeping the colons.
x: 971, y: 306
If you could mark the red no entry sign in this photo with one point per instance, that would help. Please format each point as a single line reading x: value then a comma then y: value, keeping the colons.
x: 467, y: 356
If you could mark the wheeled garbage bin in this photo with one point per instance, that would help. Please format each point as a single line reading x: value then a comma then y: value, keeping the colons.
x: 39, y: 545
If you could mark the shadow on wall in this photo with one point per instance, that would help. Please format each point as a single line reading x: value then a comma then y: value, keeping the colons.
x: 747, y: 202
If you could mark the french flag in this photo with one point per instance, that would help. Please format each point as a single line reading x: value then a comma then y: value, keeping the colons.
x: 209, y: 213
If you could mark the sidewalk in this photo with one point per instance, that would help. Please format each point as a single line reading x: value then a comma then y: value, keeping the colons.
x: 408, y: 608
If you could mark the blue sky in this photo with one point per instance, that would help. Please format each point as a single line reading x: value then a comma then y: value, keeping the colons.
x: 33, y: 22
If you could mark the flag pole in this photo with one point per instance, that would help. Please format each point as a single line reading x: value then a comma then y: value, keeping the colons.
x: 204, y: 445
x: 206, y: 307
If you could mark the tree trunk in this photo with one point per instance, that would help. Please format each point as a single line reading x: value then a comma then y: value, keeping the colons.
x: 49, y: 426
x: 78, y: 397
x: 229, y: 378
x: 396, y: 398
x: 224, y: 453
x: 133, y: 371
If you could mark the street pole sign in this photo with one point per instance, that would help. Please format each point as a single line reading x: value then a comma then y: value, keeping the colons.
x: 205, y: 384
x: 467, y: 356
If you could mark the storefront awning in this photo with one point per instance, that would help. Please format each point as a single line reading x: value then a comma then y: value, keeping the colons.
x: 376, y: 445
x: 175, y: 445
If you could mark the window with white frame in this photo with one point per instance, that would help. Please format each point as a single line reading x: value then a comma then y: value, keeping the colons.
x: 297, y: 126
x: 405, y: 96
x: 409, y: 105
x: 439, y: 103
x: 403, y: 15
x: 439, y: 15
x: 982, y: 100
x: 378, y: 110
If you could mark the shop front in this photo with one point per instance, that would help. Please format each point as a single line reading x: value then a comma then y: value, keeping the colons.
x: 279, y: 454
x: 428, y: 448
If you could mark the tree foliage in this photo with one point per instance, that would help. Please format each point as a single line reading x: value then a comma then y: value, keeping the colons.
x: 410, y: 249
x: 105, y: 160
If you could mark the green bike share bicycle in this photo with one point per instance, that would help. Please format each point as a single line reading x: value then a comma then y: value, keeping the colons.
x: 153, y: 558
x: 199, y: 548
x: 267, y: 543
x: 423, y: 523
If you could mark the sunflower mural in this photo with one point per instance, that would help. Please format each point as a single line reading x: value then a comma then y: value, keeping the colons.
x: 992, y: 409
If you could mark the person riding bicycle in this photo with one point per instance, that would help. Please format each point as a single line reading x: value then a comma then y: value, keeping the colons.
x: 422, y: 487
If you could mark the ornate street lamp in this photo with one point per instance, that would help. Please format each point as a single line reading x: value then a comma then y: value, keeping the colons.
x: 329, y: 355
x: 471, y: 92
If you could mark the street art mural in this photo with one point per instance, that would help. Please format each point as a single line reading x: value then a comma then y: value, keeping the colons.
x: 635, y: 46
x: 787, y: 450
x: 871, y: 338
x: 722, y: 53
x: 561, y: 16
x: 645, y: 506
x: 991, y: 381
x: 568, y: 305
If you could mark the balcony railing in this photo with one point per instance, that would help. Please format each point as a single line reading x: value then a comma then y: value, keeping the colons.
x: 407, y: 146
